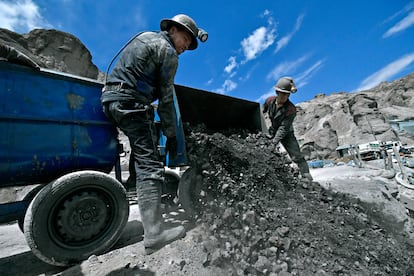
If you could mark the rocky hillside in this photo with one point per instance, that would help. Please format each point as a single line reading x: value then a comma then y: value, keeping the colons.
x: 53, y: 49
x: 322, y: 124
x: 326, y: 122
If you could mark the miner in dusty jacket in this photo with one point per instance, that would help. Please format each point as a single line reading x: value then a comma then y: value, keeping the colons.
x: 281, y: 113
x: 143, y: 74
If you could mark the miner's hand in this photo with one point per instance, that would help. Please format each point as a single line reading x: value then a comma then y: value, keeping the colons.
x: 171, y: 146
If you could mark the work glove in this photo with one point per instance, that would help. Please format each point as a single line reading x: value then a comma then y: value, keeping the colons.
x: 271, y: 133
x: 171, y: 146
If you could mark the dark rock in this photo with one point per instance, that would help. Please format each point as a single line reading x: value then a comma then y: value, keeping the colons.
x: 53, y: 49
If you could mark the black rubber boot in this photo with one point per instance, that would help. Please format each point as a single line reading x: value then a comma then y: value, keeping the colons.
x: 149, y: 201
x: 307, y: 179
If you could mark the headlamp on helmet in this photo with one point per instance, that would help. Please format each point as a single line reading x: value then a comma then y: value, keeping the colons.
x: 202, y: 35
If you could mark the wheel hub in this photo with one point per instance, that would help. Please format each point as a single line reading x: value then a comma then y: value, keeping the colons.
x: 82, y: 217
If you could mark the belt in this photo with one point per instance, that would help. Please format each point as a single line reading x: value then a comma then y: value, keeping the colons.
x: 116, y: 86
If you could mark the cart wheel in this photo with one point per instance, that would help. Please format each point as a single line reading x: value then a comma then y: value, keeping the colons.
x: 170, y: 188
x: 28, y: 197
x: 78, y: 215
x: 190, y: 193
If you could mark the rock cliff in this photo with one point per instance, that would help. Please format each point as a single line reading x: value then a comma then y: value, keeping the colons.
x: 377, y: 114
x: 53, y: 49
x: 322, y: 124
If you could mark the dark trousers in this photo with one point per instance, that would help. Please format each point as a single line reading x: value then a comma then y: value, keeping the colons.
x: 292, y: 147
x: 137, y: 122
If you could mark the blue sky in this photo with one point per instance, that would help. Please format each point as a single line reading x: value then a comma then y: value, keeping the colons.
x: 326, y: 46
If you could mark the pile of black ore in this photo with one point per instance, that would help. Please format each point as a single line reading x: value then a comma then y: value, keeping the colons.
x: 259, y: 220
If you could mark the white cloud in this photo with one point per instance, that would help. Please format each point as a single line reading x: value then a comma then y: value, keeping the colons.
x: 257, y: 42
x: 260, y: 40
x: 251, y: 47
x: 232, y: 64
x: 227, y: 86
x: 404, y: 10
x: 248, y: 74
x: 284, y: 41
x: 285, y: 68
x: 21, y: 16
x: 405, y: 23
x: 303, y: 78
x: 387, y: 72
x: 266, y: 13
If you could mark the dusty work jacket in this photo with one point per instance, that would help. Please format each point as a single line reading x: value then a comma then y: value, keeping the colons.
x: 281, y: 118
x: 146, y: 70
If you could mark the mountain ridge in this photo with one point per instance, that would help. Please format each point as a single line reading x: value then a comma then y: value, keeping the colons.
x: 326, y: 122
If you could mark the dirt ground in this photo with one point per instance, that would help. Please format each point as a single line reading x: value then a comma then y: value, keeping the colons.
x: 258, y: 219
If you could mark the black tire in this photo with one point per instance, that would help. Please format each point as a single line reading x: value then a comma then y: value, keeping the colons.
x: 76, y: 216
x: 169, y: 191
x: 190, y: 193
x: 28, y: 197
x: 170, y: 188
